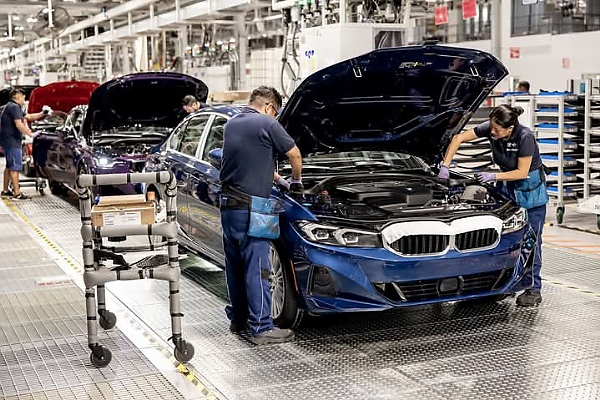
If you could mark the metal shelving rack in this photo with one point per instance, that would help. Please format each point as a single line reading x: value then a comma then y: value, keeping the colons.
x: 591, y: 155
x: 554, y: 121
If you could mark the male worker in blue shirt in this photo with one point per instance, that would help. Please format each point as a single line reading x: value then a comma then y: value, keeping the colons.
x: 251, y: 142
x: 12, y: 128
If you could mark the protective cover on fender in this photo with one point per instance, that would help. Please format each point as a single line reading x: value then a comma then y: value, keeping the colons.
x: 141, y: 99
x: 404, y: 99
x: 61, y: 96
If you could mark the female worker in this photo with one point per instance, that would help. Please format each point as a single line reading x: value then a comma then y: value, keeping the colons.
x: 515, y: 151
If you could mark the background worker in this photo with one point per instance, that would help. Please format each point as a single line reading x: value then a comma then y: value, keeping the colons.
x: 12, y: 129
x: 516, y: 152
x: 252, y: 140
x: 190, y: 104
x: 523, y: 86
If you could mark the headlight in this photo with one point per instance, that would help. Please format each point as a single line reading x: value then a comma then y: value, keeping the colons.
x: 336, y: 236
x: 515, y: 221
x: 105, y: 162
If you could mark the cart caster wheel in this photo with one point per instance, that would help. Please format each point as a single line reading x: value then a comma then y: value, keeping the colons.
x: 107, y: 320
x: 41, y: 191
x: 560, y: 213
x: 186, y: 354
x: 101, y: 357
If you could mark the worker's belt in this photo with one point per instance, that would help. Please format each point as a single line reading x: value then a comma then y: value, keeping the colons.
x: 233, y: 199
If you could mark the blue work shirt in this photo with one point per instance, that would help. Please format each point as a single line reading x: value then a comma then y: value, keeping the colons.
x: 506, y: 152
x: 10, y: 136
x: 251, y: 143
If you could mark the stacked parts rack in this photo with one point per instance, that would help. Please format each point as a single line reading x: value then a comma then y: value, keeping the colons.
x: 591, y: 155
x: 159, y: 266
x: 556, y: 120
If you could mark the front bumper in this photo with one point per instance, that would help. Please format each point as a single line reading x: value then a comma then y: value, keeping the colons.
x: 333, y: 279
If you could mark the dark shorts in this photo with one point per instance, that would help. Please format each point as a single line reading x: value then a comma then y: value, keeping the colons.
x: 14, y: 158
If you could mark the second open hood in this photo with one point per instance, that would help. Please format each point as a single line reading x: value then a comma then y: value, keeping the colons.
x: 405, y: 99
x: 141, y: 99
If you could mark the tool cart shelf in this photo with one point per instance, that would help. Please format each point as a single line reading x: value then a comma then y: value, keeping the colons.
x: 591, y: 155
x: 115, y: 221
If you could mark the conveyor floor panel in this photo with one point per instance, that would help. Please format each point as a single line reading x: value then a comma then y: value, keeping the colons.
x: 449, y: 351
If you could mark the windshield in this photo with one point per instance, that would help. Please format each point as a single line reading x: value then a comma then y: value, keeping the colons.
x: 358, y: 160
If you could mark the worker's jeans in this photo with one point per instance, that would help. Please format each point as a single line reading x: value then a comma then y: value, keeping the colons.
x: 537, y: 217
x: 247, y: 269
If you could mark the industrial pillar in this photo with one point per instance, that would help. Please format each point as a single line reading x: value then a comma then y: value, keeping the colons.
x: 141, y: 53
x: 108, y: 62
x: 242, y: 47
x: 126, y: 62
x: 496, y: 17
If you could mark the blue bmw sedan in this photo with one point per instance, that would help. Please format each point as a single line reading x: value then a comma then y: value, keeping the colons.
x: 375, y: 228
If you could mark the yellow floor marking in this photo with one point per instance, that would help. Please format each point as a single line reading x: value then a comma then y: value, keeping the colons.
x: 185, y: 370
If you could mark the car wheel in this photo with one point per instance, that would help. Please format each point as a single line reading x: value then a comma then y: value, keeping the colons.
x: 284, y: 304
x: 56, y: 188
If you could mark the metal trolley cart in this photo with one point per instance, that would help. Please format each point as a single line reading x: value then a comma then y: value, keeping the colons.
x: 159, y: 266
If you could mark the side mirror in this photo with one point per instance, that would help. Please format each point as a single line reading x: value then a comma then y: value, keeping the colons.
x: 215, y: 156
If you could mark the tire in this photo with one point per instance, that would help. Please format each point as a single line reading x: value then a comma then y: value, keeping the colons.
x: 560, y: 213
x: 284, y: 304
x: 56, y: 188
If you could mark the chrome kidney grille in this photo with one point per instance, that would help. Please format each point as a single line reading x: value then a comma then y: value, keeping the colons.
x: 423, y: 238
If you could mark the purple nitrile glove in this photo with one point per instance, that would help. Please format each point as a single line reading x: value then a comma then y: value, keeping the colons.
x: 282, y: 183
x: 485, y: 177
x: 296, y: 185
x: 444, y: 172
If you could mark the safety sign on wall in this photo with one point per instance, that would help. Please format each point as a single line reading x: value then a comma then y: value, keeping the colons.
x: 469, y: 9
x: 441, y: 15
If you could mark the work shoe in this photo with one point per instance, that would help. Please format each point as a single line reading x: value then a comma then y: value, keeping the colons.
x: 237, y: 328
x: 7, y: 193
x: 21, y: 196
x: 274, y: 335
x: 529, y: 298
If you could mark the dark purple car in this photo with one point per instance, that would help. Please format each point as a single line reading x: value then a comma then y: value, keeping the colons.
x: 125, y: 118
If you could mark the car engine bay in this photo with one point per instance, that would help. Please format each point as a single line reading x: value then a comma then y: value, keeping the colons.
x: 394, y: 195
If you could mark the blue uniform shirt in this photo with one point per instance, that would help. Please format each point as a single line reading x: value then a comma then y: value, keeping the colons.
x: 10, y: 136
x: 251, y: 142
x: 506, y: 153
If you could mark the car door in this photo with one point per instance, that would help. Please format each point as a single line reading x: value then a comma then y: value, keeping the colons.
x: 203, y: 204
x: 61, y: 151
x: 181, y: 153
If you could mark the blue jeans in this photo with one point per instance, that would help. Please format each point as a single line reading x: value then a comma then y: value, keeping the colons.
x: 247, y: 269
x: 537, y: 218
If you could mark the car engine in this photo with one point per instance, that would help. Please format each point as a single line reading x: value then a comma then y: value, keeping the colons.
x: 373, y: 197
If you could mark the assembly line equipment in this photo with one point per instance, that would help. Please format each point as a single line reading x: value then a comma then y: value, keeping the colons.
x: 103, y: 264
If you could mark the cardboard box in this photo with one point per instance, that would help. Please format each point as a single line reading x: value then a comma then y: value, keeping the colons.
x: 123, y: 210
x: 230, y: 96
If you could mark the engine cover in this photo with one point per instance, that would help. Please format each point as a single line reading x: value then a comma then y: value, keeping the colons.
x: 410, y: 194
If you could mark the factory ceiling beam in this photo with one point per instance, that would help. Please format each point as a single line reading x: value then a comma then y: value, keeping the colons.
x: 102, y: 17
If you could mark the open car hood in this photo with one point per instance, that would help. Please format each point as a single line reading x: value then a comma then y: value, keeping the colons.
x: 141, y: 99
x: 406, y: 99
x: 61, y: 96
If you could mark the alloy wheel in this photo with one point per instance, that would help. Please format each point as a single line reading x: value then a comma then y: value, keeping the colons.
x: 277, y: 283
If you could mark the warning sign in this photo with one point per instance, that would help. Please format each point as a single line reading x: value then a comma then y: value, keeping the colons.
x: 441, y: 15
x: 469, y: 9
x: 515, y: 52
